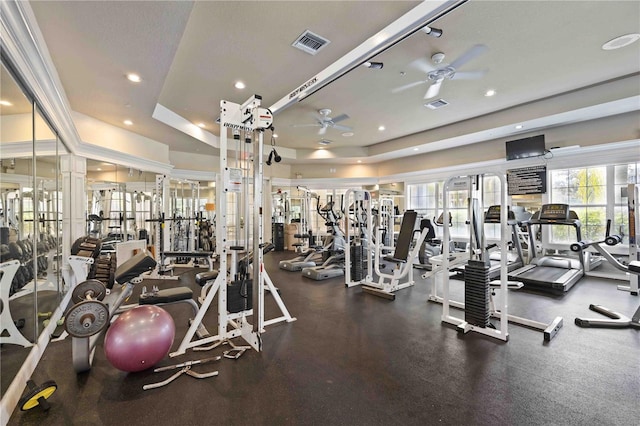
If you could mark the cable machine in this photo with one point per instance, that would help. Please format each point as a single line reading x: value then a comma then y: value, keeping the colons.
x: 479, y: 304
x: 251, y: 119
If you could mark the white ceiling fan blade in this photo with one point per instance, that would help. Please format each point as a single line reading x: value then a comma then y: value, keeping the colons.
x: 434, y: 89
x: 341, y: 117
x: 470, y: 54
x: 307, y: 125
x: 469, y: 75
x: 322, y: 130
x: 422, y: 64
x: 408, y: 86
x: 341, y: 127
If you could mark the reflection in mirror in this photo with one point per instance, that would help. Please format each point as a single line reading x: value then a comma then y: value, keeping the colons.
x: 16, y: 231
x: 46, y: 217
x: 125, y: 204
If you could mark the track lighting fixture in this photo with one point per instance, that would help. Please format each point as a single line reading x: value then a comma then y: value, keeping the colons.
x: 373, y: 65
x: 433, y: 32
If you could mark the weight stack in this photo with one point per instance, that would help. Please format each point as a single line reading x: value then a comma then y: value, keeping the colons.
x: 240, y: 296
x: 278, y: 236
x: 476, y: 293
x: 4, y: 235
x: 357, y: 263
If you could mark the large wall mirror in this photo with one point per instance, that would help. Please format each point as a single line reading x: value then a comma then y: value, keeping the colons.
x: 30, y: 224
x: 124, y: 204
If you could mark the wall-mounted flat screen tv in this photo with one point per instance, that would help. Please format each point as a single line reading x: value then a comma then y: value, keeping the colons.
x: 525, y: 148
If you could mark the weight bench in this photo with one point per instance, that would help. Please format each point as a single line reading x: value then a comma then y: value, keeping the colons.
x: 86, y: 320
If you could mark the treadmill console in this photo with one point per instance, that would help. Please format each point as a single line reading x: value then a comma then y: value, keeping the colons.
x: 493, y: 214
x: 554, y: 212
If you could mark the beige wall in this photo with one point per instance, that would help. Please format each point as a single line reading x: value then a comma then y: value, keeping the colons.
x: 595, y: 132
x: 99, y: 133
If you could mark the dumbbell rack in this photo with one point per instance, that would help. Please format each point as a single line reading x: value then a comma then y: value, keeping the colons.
x: 14, y: 336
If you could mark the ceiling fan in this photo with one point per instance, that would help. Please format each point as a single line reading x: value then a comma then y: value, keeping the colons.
x: 324, y: 121
x: 443, y: 71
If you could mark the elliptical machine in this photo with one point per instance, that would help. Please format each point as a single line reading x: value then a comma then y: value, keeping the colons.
x: 333, y: 265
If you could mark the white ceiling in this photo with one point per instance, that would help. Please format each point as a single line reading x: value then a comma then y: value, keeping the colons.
x: 189, y: 55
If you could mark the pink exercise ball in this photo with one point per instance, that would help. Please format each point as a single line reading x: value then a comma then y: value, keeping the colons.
x: 138, y: 339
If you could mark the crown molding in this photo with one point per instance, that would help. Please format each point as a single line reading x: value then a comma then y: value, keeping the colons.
x: 194, y: 175
x: 100, y: 153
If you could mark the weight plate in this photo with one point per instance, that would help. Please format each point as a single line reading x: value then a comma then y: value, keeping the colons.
x: 86, y: 318
x: 89, y: 288
x: 31, y: 399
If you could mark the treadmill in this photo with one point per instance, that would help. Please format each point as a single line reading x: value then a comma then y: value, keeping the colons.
x: 553, y: 274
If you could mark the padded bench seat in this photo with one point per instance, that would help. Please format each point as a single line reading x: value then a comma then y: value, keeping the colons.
x: 134, y: 267
x: 634, y: 266
x: 168, y: 295
x: 203, y: 277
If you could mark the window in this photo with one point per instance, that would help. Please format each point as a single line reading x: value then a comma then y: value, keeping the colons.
x: 595, y: 194
x: 623, y: 175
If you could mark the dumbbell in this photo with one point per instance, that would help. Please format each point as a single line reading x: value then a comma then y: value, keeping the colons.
x: 89, y: 315
x: 37, y: 395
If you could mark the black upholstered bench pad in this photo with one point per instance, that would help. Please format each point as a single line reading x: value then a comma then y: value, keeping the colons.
x: 203, y: 277
x: 134, y: 267
x: 167, y: 296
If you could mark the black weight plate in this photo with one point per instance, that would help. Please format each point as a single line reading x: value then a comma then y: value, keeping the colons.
x: 86, y: 318
x: 89, y: 288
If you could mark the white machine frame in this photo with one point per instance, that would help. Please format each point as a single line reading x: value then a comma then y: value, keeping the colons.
x: 633, y: 195
x: 501, y: 311
x: 13, y: 335
x: 248, y: 117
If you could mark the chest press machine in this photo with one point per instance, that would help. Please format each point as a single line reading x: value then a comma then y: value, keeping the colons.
x: 402, y: 259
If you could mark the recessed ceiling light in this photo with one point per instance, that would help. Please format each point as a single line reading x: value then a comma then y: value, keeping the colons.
x: 128, y: 122
x: 275, y: 135
x: 240, y: 85
x: 621, y: 41
x: 134, y: 77
x: 5, y: 103
x: 381, y: 128
x: 201, y: 125
x: 490, y: 92
x: 359, y: 161
x: 519, y: 126
x: 99, y: 169
x: 415, y: 149
x: 347, y: 134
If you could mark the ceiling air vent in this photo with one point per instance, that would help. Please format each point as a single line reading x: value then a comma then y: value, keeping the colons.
x: 436, y: 104
x: 324, y: 142
x: 310, y: 42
